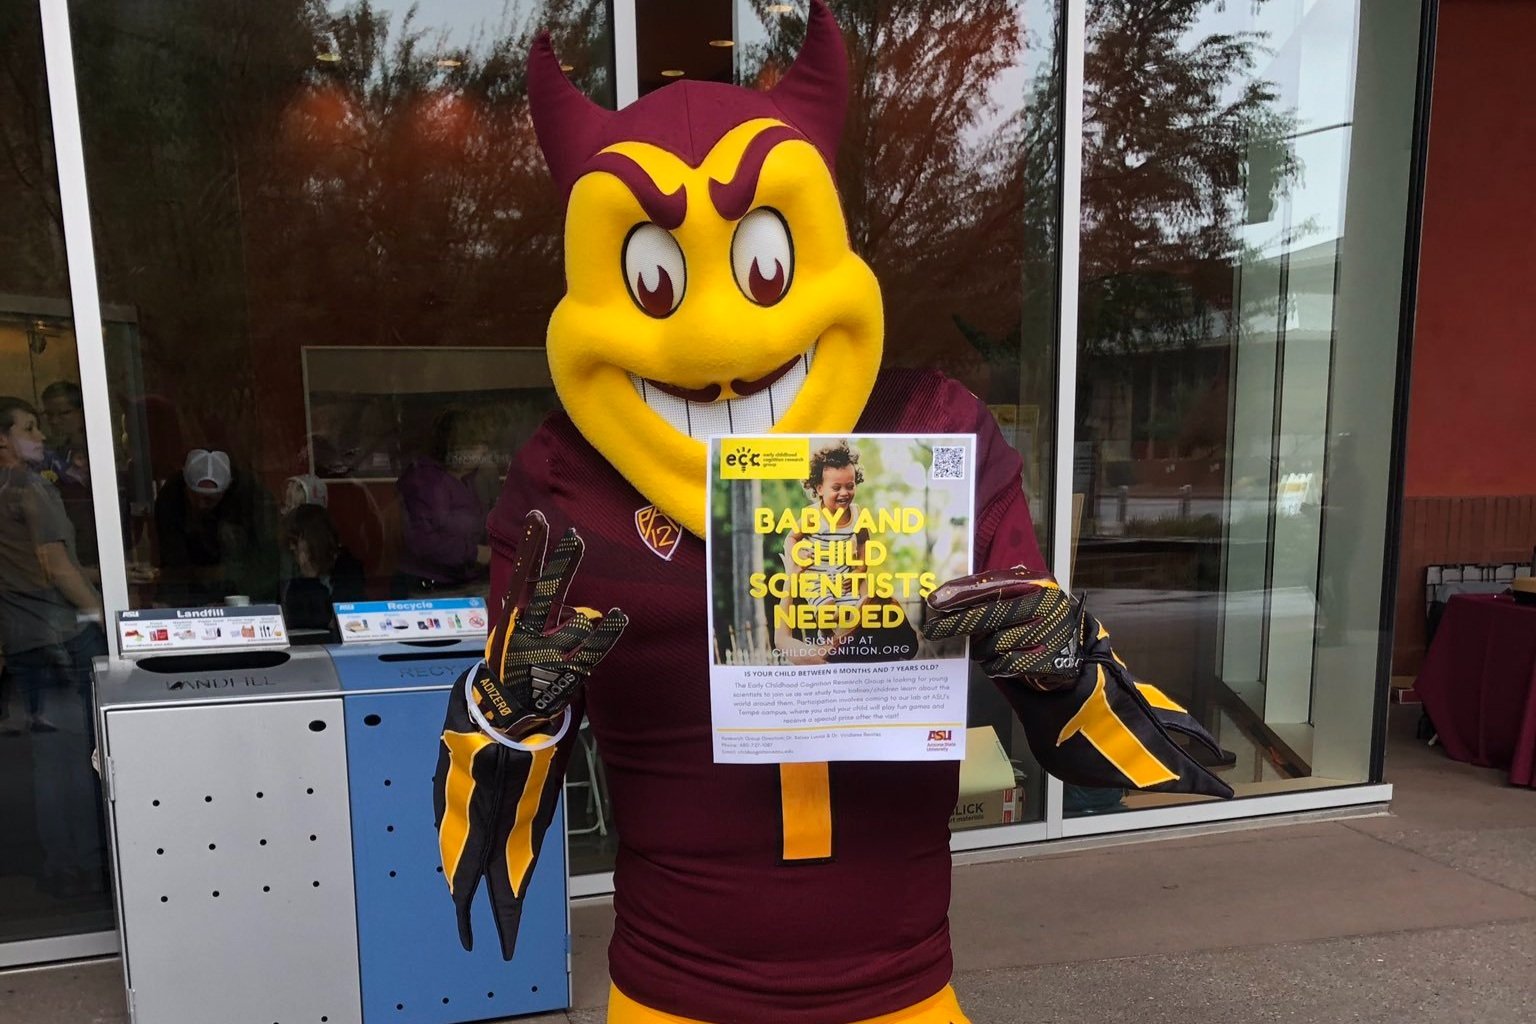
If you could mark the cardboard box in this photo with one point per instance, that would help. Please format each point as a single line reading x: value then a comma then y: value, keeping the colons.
x: 988, y: 792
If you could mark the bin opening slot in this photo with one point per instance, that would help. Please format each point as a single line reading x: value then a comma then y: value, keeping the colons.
x: 427, y: 656
x: 219, y: 662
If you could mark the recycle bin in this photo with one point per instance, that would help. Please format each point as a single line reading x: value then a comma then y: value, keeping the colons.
x: 413, y: 967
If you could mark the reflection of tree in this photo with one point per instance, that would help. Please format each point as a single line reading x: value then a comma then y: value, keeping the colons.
x: 1171, y: 119
x: 916, y: 162
x: 295, y: 172
x: 955, y: 218
x: 32, y: 258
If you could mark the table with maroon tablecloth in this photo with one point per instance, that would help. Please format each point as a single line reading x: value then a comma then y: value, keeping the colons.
x: 1479, y: 683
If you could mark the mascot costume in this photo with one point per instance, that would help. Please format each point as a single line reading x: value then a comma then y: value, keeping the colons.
x: 711, y: 289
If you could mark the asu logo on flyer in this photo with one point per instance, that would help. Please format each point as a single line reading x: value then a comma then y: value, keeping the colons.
x: 764, y: 458
x: 941, y: 740
x: 659, y: 531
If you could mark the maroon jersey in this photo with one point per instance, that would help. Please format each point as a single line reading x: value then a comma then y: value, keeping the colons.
x: 712, y: 924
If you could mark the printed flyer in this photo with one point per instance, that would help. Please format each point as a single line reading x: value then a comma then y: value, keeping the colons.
x: 820, y: 552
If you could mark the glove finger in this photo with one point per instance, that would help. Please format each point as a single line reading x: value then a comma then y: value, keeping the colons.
x: 1173, y: 717
x: 607, y: 632
x: 527, y: 568
x: 463, y: 901
x: 506, y: 910
x: 528, y: 563
x: 1045, y: 605
x: 1034, y: 665
x: 1194, y: 777
x: 461, y: 837
x: 989, y: 587
x: 564, y: 639
x: 549, y: 593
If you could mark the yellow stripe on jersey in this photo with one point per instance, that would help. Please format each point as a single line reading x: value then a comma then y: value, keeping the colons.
x: 805, y: 796
x: 940, y: 1008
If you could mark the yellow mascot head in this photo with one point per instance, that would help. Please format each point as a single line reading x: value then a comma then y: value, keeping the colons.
x: 710, y: 285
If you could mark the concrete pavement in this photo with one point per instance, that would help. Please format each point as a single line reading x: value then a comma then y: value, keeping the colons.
x: 1426, y: 914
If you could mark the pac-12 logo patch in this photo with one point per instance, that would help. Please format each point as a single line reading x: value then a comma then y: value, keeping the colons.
x: 659, y: 531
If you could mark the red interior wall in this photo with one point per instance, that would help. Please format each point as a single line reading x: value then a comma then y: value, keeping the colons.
x: 1471, y: 460
x: 1472, y: 417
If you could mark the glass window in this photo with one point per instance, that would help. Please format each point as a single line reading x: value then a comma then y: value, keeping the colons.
x: 53, y: 870
x: 333, y: 247
x: 339, y: 247
x: 1245, y: 204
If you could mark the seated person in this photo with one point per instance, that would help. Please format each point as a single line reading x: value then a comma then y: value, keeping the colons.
x: 323, y: 570
x: 217, y: 534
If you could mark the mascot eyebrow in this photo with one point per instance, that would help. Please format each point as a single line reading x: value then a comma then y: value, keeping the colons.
x: 665, y: 208
x: 731, y: 198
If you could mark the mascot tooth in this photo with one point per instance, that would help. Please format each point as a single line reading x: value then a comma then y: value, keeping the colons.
x: 711, y: 288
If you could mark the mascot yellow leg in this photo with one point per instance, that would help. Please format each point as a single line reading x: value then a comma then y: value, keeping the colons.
x: 941, y: 1008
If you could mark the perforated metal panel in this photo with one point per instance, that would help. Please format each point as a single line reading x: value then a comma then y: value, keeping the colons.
x: 414, y: 971
x: 235, y: 862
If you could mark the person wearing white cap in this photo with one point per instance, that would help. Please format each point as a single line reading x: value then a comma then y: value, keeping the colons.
x: 217, y: 534
x: 207, y: 475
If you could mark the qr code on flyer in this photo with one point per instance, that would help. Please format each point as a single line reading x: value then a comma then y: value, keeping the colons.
x: 948, y: 463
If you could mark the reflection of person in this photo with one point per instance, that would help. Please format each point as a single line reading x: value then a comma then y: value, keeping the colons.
x: 834, y: 479
x: 64, y: 412
x: 67, y: 462
x: 443, y: 511
x: 323, y: 570
x: 217, y: 534
x: 49, y: 633
x: 43, y: 585
x: 307, y: 489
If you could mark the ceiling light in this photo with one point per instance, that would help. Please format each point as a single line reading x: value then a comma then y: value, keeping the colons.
x: 780, y: 8
x: 673, y: 73
x: 328, y: 58
x: 722, y: 43
x: 567, y: 68
x: 448, y: 62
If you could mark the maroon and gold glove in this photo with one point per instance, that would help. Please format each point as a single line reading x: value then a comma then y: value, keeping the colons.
x: 506, y: 739
x: 1021, y: 623
x: 1089, y: 721
x: 541, y: 651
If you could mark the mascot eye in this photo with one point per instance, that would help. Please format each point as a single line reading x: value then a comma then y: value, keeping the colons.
x: 762, y: 257
x: 654, y: 270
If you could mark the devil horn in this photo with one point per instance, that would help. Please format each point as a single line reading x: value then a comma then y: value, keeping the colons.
x: 814, y: 92
x: 569, y: 126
